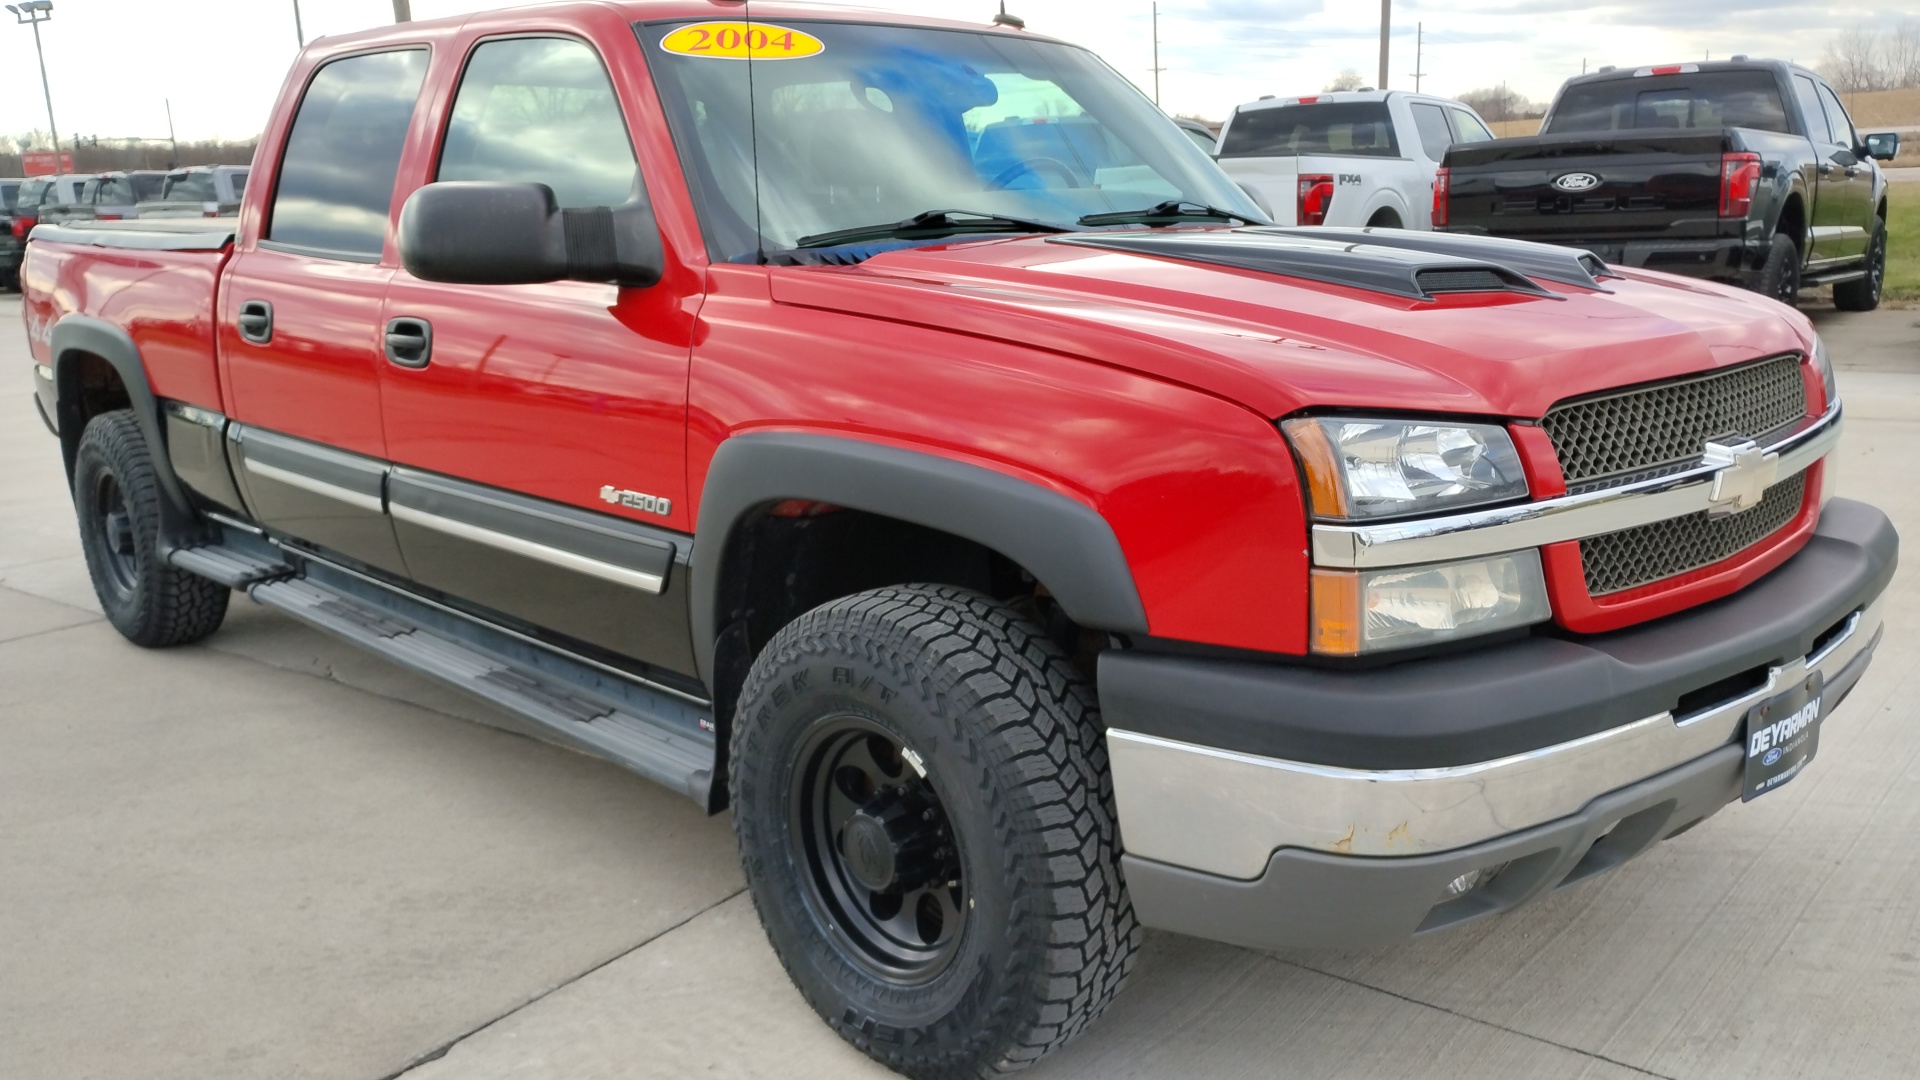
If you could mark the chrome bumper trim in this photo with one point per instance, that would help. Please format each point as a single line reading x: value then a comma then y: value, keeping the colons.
x: 1550, y: 521
x: 1226, y: 813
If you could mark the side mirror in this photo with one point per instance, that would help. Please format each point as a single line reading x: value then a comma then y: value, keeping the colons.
x: 467, y: 232
x: 1884, y: 146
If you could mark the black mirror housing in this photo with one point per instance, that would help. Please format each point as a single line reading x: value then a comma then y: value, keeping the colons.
x: 1883, y: 146
x: 467, y: 232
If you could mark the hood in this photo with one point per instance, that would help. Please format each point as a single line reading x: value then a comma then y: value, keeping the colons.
x: 1281, y: 320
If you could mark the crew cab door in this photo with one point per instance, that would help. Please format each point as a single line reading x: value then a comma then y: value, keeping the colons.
x: 1828, y: 186
x: 1850, y: 174
x: 538, y: 431
x: 300, y: 313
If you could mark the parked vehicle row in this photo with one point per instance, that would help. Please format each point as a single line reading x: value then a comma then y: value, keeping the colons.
x: 903, y: 435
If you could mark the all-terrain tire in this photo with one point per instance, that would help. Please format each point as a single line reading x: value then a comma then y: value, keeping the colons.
x: 1864, y: 294
x: 117, y: 499
x: 1780, y: 274
x: 1016, y: 779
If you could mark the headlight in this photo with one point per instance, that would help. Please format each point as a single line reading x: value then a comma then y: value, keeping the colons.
x: 1385, y: 468
x: 1366, y: 611
x: 1824, y: 365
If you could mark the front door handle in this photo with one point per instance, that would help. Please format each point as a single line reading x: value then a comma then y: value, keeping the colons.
x: 409, y: 342
x: 256, y: 322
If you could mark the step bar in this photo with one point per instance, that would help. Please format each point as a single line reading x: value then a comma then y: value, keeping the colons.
x: 663, y: 734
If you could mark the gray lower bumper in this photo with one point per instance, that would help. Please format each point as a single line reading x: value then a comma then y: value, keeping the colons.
x: 1311, y: 899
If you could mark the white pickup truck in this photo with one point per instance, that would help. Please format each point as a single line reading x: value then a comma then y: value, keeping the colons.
x: 1354, y: 158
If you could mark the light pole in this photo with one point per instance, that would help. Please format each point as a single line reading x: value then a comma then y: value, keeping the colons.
x: 33, y: 13
x: 402, y: 11
x: 299, y: 32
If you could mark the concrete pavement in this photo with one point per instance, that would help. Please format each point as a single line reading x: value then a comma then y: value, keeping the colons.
x: 271, y: 856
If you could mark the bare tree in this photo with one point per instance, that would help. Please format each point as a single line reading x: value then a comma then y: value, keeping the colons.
x: 1852, y: 62
x: 1347, y: 80
x: 1497, y: 103
x: 1901, y: 55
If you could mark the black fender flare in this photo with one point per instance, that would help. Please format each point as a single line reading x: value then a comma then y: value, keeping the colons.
x: 1064, y: 543
x: 76, y: 335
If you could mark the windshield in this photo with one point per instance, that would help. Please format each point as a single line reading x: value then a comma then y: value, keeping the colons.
x: 1703, y: 101
x: 1361, y: 128
x: 868, y: 124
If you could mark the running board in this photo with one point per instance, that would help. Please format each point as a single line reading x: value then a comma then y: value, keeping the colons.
x: 663, y: 735
x: 1839, y: 277
x: 231, y: 566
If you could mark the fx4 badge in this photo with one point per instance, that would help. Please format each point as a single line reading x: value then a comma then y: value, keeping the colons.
x: 652, y: 504
x: 1747, y: 474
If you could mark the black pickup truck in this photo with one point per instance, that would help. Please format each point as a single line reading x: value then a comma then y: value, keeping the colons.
x: 1747, y: 171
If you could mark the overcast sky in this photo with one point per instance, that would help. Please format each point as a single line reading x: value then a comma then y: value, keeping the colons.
x: 114, y: 63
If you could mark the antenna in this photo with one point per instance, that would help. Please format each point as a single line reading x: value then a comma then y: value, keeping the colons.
x: 1004, y: 19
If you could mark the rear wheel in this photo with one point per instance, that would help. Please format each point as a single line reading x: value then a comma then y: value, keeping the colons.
x: 1780, y: 274
x: 1864, y: 293
x: 1384, y: 219
x: 924, y: 810
x: 117, y: 499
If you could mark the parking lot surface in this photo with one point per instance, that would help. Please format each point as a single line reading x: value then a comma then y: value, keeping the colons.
x: 272, y: 856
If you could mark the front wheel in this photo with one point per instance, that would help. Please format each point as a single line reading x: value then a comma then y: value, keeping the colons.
x: 1863, y: 294
x: 117, y: 499
x: 925, y: 815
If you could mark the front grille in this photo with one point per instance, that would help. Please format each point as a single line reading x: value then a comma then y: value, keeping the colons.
x: 1635, y: 434
x: 1633, y: 557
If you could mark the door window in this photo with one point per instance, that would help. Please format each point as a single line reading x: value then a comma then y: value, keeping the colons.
x: 1838, y: 119
x: 337, y: 175
x: 1468, y: 128
x: 541, y: 110
x: 1431, y: 123
x: 1817, y: 127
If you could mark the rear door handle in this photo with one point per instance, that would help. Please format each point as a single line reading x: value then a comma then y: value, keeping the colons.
x: 256, y: 322
x: 409, y: 342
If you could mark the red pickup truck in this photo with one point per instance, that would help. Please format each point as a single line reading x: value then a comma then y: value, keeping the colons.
x: 901, y: 434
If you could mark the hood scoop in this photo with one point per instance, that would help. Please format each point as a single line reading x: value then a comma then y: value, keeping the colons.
x: 1350, y: 257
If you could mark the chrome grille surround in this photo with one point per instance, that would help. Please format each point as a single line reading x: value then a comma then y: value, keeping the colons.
x: 1618, y: 561
x: 1622, y: 436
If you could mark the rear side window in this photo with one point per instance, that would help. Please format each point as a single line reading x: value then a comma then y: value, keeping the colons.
x: 343, y: 154
x: 1817, y: 128
x: 1431, y: 123
x: 541, y: 110
x: 238, y: 181
x: 8, y: 193
x: 1706, y: 101
x: 1360, y: 128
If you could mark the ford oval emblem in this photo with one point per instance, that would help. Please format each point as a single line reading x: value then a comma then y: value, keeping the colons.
x: 1772, y: 758
x: 1577, y: 181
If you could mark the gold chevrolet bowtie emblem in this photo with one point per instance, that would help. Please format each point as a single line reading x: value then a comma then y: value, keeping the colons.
x: 1746, y: 474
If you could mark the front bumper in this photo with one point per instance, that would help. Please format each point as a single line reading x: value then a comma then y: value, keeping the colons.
x: 1288, y: 806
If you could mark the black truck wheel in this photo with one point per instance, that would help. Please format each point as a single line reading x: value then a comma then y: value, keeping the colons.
x: 925, y: 815
x: 1780, y: 274
x: 118, y: 501
x: 1864, y: 294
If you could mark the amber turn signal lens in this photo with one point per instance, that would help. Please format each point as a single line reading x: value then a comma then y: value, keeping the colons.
x: 1317, y: 459
x: 1336, y: 613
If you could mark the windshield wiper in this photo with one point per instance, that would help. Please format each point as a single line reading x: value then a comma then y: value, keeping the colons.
x: 930, y: 223
x: 1171, y: 212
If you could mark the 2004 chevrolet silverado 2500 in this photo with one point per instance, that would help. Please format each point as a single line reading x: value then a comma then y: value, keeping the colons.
x: 1747, y: 171
x: 901, y: 434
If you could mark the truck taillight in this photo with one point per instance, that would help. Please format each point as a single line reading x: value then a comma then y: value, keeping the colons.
x: 1442, y: 181
x: 21, y: 227
x: 1739, y: 175
x: 1316, y: 195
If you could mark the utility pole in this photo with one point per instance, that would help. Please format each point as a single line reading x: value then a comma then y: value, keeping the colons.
x: 175, y: 163
x: 299, y: 33
x: 1386, y: 28
x: 33, y: 13
x: 1419, y: 54
x: 1157, y: 69
x: 402, y: 11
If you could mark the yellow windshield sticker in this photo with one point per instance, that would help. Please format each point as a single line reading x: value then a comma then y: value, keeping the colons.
x: 742, y: 41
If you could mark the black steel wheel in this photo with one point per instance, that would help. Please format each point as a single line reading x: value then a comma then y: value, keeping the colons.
x: 924, y: 807
x: 882, y: 868
x: 117, y: 500
x: 1864, y: 294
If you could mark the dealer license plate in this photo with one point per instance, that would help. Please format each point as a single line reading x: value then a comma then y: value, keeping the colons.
x: 1782, y: 734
